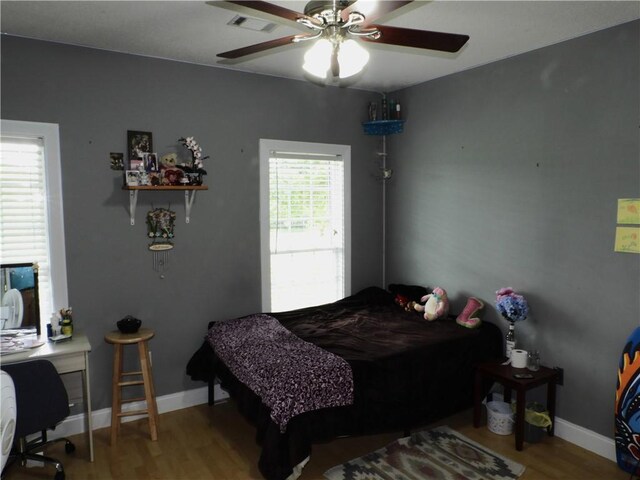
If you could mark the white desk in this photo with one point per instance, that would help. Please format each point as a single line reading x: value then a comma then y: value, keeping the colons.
x: 68, y: 356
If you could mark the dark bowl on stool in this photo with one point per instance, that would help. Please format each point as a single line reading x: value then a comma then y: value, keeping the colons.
x: 129, y: 324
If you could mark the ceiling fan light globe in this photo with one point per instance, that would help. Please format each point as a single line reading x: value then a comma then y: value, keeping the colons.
x: 352, y: 58
x: 317, y: 60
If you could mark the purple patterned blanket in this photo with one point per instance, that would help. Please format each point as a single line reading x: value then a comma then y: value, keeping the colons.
x: 291, y: 376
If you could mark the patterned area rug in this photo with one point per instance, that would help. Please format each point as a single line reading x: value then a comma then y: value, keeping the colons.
x: 440, y: 453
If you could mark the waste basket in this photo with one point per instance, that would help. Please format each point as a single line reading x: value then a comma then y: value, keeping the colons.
x: 499, y: 418
x: 537, y: 421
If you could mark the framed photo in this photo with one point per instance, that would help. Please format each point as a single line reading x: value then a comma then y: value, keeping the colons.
x: 136, y: 164
x: 139, y: 143
x: 117, y: 161
x: 132, y: 178
x: 150, y: 161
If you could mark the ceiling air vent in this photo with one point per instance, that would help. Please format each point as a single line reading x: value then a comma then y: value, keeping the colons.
x: 252, y: 24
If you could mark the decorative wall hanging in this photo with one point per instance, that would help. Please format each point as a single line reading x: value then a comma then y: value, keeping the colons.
x: 160, y: 223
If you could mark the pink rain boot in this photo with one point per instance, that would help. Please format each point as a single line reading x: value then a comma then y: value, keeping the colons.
x: 468, y: 316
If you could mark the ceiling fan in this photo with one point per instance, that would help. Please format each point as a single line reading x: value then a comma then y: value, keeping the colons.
x: 336, y: 24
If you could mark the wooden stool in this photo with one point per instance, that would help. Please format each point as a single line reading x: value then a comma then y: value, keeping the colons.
x: 118, y: 340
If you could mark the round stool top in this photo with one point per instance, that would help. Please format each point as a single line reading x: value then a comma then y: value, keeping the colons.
x: 117, y: 336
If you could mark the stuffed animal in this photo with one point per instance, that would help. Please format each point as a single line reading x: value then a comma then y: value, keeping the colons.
x: 404, y: 302
x: 169, y: 160
x: 436, y: 306
x: 468, y: 318
x: 171, y: 175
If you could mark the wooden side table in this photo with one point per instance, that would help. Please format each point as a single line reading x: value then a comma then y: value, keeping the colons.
x: 119, y: 340
x: 503, y: 374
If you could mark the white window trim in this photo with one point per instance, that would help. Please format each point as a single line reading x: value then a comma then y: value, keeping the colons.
x: 268, y: 145
x: 50, y: 134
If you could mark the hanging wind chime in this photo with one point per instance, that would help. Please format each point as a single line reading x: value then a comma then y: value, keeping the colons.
x: 160, y: 223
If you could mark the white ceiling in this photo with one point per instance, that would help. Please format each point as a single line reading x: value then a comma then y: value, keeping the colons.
x: 194, y: 32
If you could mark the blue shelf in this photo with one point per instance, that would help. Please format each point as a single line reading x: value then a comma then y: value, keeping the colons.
x: 383, y: 127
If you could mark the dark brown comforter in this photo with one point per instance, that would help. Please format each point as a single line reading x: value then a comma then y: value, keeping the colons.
x: 407, y: 372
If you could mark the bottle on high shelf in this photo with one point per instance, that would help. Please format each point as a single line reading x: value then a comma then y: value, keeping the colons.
x: 510, y: 340
x: 373, y: 112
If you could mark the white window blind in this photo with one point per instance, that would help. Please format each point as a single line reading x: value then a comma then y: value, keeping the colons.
x: 27, y: 232
x: 308, y: 228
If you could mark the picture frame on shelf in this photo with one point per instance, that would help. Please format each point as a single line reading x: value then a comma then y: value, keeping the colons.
x: 150, y: 162
x: 132, y: 178
x: 139, y: 143
x: 136, y: 164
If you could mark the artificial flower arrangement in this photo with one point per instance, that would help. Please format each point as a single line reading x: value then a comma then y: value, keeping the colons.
x: 66, y: 313
x: 196, y: 165
x: 66, y: 321
x: 511, y: 305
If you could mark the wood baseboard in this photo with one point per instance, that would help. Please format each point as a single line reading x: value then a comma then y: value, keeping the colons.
x: 75, y: 424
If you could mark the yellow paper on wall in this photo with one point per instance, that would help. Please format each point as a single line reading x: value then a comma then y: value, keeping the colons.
x: 627, y: 239
x: 629, y: 211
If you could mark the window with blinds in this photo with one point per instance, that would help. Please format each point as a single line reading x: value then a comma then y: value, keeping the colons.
x: 308, y: 228
x: 30, y: 207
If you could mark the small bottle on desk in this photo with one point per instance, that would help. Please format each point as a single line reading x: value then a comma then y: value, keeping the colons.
x: 66, y: 327
x: 510, y: 340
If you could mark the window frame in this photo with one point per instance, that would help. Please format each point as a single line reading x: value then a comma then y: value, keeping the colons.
x: 266, y: 147
x: 50, y: 135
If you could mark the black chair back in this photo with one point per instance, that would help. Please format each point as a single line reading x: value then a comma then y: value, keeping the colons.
x: 41, y: 397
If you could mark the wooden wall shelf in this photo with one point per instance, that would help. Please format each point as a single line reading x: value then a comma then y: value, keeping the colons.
x: 166, y: 187
x: 189, y: 196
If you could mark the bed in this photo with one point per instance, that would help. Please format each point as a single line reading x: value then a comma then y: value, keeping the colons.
x: 406, y: 372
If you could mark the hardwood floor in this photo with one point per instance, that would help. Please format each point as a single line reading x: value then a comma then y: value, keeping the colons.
x: 217, y: 443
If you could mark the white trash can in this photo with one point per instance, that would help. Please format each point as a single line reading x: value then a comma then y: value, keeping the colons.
x: 500, y: 418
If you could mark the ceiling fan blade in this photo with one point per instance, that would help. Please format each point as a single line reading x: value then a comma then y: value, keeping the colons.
x: 275, y: 10
x: 406, y: 37
x: 372, y: 10
x: 258, y: 47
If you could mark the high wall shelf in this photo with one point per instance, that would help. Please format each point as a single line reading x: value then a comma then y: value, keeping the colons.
x: 383, y: 127
x: 189, y: 196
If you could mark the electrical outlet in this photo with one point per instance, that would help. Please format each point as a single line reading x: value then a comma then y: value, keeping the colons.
x: 560, y: 375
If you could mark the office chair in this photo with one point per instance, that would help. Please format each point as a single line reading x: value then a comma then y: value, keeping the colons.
x: 7, y: 416
x: 42, y: 402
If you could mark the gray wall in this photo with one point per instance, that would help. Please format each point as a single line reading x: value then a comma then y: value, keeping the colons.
x: 508, y: 175
x: 505, y: 175
x: 95, y: 97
